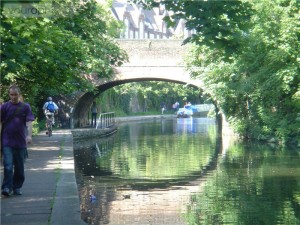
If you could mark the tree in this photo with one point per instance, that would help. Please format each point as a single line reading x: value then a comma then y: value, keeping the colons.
x: 259, y: 88
x: 218, y: 24
x: 247, y: 53
x: 95, y: 26
x: 53, y: 54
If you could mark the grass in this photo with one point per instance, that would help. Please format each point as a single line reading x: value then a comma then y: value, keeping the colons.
x: 57, y: 172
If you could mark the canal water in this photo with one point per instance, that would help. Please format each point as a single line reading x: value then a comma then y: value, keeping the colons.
x: 179, y: 171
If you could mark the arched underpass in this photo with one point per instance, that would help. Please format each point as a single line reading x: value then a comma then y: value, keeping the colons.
x: 83, y: 105
x: 157, y: 60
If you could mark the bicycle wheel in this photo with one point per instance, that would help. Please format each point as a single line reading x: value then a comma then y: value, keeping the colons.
x: 50, y: 129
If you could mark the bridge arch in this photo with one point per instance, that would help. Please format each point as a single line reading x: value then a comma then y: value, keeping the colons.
x: 149, y: 60
x: 84, y: 103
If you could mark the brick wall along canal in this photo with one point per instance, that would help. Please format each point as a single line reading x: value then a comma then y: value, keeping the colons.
x: 176, y: 171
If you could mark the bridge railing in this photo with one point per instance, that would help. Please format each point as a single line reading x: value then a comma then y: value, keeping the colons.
x: 203, y: 107
x: 106, y: 120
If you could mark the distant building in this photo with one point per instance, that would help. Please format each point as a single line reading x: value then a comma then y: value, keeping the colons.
x: 146, y: 24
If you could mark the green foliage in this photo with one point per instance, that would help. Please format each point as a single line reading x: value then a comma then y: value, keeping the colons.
x: 218, y: 24
x: 247, y: 54
x: 90, y: 22
x: 258, y: 89
x: 112, y: 100
x: 35, y: 127
x: 145, y: 97
x: 46, y: 55
x: 37, y: 52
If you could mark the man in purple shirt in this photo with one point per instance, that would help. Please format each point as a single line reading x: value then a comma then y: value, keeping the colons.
x: 16, y: 122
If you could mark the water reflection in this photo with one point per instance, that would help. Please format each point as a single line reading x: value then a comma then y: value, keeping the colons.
x: 173, y: 172
x: 254, y: 184
x: 88, y: 153
x: 193, y: 125
x: 148, y: 174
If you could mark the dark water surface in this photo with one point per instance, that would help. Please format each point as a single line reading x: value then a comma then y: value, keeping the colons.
x: 178, y: 171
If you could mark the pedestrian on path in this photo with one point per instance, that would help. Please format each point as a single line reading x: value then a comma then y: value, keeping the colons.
x: 16, y: 122
x: 94, y: 111
x: 163, y: 107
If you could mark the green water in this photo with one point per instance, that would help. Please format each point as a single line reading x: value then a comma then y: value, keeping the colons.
x: 179, y: 171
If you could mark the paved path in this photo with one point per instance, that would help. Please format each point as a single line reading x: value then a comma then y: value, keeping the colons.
x: 50, y: 195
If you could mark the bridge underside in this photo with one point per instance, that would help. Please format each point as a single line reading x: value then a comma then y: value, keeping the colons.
x: 81, y: 109
x: 155, y: 60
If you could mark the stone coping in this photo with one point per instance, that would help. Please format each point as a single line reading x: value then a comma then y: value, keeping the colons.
x: 85, y: 133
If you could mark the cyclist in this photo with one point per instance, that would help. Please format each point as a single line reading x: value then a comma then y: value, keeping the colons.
x: 49, y: 122
x: 49, y: 109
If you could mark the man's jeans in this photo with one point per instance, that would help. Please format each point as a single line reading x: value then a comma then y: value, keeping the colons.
x: 13, y: 161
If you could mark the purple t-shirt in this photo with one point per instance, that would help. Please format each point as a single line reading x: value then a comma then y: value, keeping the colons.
x: 14, y: 130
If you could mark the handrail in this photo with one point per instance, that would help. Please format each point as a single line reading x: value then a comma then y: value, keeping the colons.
x: 106, y: 120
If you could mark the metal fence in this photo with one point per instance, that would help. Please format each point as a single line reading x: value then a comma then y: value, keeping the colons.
x: 203, y: 107
x: 106, y: 120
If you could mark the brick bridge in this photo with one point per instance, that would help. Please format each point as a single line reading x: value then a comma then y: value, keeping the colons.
x: 149, y: 60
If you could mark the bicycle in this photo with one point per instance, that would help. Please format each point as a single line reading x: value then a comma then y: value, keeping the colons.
x: 49, y: 124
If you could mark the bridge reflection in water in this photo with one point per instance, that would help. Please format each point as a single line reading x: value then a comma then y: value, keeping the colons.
x: 169, y: 172
x: 146, y: 172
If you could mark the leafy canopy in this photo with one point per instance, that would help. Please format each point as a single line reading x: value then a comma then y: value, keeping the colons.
x: 218, y: 24
x: 247, y: 53
x: 54, y: 53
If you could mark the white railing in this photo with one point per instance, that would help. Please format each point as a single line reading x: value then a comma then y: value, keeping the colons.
x: 204, y: 107
x: 106, y: 120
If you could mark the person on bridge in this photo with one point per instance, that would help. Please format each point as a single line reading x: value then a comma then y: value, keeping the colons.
x: 94, y: 111
x: 16, y: 122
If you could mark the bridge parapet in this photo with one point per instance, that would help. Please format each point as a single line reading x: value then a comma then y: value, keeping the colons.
x: 151, y: 60
x: 147, y: 53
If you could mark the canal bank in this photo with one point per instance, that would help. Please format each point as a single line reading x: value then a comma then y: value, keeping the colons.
x: 50, y: 194
x: 140, y: 118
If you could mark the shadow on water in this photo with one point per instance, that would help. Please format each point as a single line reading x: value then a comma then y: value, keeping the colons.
x: 88, y: 151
